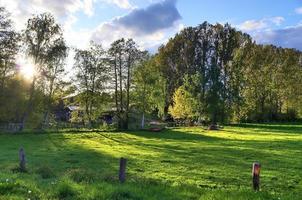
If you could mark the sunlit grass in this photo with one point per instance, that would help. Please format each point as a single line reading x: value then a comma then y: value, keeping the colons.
x: 182, y: 163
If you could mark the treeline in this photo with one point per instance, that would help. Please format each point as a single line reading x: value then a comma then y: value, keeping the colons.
x: 215, y: 73
x: 103, y: 78
x: 208, y: 73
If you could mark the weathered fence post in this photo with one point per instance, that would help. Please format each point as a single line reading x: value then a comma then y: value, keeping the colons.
x: 122, y: 172
x: 256, y: 176
x: 22, y: 159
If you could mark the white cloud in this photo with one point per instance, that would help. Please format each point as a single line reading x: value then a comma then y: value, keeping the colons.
x: 88, y: 7
x: 149, y: 27
x: 61, y: 9
x: 298, y: 10
x: 289, y: 37
x: 252, y: 25
x: 125, y: 4
x: 265, y: 23
x: 277, y: 20
x: 108, y: 32
x: 267, y: 31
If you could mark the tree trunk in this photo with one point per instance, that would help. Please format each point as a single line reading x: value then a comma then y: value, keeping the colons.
x: 121, y: 113
x: 128, y: 93
x: 29, y: 105
x: 116, y: 91
x: 121, y: 82
x: 143, y: 121
x: 48, y: 106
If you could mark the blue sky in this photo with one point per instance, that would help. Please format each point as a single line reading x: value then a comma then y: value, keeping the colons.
x: 238, y: 11
x: 152, y: 22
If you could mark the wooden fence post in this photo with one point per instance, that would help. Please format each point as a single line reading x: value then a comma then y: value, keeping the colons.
x: 22, y: 159
x: 122, y: 172
x: 256, y: 176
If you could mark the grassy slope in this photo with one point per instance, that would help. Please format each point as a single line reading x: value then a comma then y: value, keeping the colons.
x: 185, y: 163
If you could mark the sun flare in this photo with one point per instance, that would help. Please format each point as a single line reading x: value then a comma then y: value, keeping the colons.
x: 27, y: 69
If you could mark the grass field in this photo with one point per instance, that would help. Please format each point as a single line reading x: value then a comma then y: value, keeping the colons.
x: 183, y: 163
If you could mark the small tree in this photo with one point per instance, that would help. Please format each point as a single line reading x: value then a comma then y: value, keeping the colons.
x: 185, y: 106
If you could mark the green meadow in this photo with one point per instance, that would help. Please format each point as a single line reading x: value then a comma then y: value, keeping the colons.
x: 181, y: 163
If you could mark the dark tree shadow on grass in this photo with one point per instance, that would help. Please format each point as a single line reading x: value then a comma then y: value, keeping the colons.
x: 278, y: 128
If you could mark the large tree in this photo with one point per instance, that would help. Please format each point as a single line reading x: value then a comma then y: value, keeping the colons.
x: 124, y: 55
x: 44, y: 44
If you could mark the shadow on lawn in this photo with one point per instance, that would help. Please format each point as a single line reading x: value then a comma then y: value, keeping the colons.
x: 175, y: 134
x: 281, y: 128
x: 86, y: 167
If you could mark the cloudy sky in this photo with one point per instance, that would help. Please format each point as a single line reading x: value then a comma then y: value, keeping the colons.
x: 153, y: 22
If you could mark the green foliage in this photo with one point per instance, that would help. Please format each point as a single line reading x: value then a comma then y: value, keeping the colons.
x: 184, y: 105
x: 9, y: 46
x: 269, y: 85
x: 124, y: 55
x: 149, y: 90
x: 91, y: 75
x: 238, y: 80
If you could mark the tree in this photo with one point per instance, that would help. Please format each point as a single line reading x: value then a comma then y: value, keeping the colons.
x: 206, y: 50
x: 149, y: 89
x: 116, y: 55
x: 124, y: 55
x: 53, y: 70
x: 8, y: 48
x: 91, y: 76
x: 44, y: 45
x: 184, y: 105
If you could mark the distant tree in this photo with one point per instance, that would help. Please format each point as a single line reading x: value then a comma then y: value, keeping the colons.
x: 182, y: 105
x: 208, y: 51
x: 91, y: 77
x: 186, y: 105
x: 149, y: 89
x: 124, y: 55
